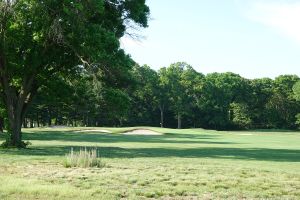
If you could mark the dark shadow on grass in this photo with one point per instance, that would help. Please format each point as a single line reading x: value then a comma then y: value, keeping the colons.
x: 119, y: 138
x: 261, y: 154
x: 224, y: 153
x: 273, y: 131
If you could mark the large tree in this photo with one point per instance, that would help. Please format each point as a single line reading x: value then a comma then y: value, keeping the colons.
x: 282, y: 106
x: 179, y: 80
x: 220, y: 90
x: 144, y: 96
x: 296, y: 90
x: 39, y: 39
x: 261, y: 90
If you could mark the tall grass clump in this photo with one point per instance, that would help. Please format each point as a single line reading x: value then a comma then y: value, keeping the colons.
x: 84, y: 158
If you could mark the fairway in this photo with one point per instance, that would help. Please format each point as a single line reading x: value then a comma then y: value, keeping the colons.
x: 179, y: 164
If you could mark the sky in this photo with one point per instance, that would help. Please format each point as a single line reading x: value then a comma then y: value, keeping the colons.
x: 253, y: 38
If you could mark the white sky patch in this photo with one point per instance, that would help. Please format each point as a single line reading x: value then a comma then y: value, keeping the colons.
x: 283, y: 16
x: 128, y: 42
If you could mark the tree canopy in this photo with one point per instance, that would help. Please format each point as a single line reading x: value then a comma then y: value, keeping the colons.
x: 41, y: 39
x: 221, y: 101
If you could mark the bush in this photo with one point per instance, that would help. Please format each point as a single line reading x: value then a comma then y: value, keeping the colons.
x: 84, y: 158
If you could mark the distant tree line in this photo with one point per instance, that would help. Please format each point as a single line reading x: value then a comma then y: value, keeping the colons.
x: 176, y: 96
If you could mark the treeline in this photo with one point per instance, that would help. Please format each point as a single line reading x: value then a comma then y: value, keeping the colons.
x: 176, y: 96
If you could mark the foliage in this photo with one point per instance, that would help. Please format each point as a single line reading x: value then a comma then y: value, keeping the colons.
x: 240, y: 115
x: 40, y: 40
x: 179, y: 82
x: 144, y: 97
x: 215, y: 101
x: 261, y: 91
x: 220, y: 90
x: 296, y: 90
x: 298, y: 119
x: 282, y: 107
x: 68, y: 65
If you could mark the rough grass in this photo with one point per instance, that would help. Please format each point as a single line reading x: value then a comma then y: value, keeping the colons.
x: 181, y: 164
x: 84, y: 158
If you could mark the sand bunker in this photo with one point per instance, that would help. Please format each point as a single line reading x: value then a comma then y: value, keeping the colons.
x: 142, y: 132
x: 246, y: 134
x: 59, y: 127
x: 94, y: 130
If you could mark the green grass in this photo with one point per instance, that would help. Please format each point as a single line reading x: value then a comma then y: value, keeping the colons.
x: 181, y: 164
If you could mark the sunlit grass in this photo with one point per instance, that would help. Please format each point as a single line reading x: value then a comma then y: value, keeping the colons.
x: 181, y: 164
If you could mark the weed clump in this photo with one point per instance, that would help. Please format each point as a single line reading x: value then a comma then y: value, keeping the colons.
x: 84, y: 158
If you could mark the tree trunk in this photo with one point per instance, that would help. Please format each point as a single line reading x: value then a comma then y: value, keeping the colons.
x: 16, y: 106
x: 49, y: 121
x: 37, y: 120
x: 15, y: 124
x: 161, y: 118
x: 31, y: 123
x: 15, y: 99
x: 49, y: 118
x: 1, y: 124
x: 25, y: 125
x: 179, y: 121
x: 161, y: 108
x: 16, y: 134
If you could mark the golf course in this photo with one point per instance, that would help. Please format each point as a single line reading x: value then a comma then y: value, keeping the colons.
x: 172, y: 164
x: 146, y: 100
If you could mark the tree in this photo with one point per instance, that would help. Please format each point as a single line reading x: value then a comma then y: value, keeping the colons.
x: 2, y: 117
x: 41, y: 38
x: 261, y: 91
x: 162, y: 95
x: 282, y: 106
x: 240, y: 115
x: 296, y: 90
x: 116, y: 105
x: 219, y: 91
x: 193, y: 83
x: 144, y: 96
x: 178, y: 81
x: 53, y: 100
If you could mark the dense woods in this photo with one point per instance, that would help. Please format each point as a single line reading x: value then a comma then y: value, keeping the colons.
x: 176, y: 96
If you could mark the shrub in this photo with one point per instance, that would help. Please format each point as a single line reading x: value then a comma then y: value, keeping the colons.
x: 84, y: 158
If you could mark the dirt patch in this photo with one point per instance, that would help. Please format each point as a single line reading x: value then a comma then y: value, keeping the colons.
x: 94, y: 130
x: 142, y: 132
